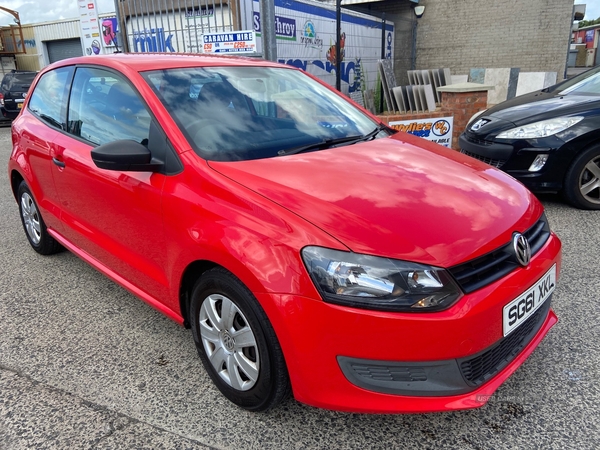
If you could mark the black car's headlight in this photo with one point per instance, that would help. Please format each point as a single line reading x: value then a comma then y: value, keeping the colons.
x: 541, y: 129
x: 371, y: 282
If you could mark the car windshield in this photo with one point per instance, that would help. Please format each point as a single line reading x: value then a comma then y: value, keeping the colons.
x: 590, y: 84
x: 242, y: 113
x: 20, y: 80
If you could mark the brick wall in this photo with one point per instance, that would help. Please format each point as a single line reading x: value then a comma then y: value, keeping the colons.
x: 463, y: 34
x: 460, y: 105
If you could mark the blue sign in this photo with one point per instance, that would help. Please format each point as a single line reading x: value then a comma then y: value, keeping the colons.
x: 284, y: 28
x: 152, y: 40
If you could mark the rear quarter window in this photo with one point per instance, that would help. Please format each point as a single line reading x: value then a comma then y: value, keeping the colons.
x: 47, y: 99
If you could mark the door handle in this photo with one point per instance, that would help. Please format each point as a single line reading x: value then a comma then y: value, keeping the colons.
x: 58, y: 162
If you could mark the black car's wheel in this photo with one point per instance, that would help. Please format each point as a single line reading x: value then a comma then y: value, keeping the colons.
x: 33, y: 224
x: 582, y: 182
x: 236, y: 342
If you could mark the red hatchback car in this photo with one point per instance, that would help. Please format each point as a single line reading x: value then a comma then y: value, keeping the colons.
x: 309, y: 248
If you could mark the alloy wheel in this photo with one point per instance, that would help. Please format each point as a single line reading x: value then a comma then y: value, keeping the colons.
x: 31, y: 218
x: 589, y: 181
x: 229, y: 342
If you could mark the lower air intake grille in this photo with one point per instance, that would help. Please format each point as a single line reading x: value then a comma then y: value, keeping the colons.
x: 497, y: 163
x: 477, y: 370
x: 383, y: 373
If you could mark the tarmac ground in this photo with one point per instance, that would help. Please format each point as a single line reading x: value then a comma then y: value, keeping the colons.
x: 85, y: 365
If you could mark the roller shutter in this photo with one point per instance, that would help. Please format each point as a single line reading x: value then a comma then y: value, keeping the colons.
x: 63, y: 48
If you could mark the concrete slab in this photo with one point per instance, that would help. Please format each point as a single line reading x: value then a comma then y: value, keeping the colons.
x: 504, y: 81
x: 477, y: 75
x: 456, y: 79
x: 429, y: 97
x: 465, y: 87
x: 534, y: 81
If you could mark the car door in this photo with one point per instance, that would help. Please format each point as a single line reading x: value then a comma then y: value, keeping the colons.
x: 114, y: 216
x: 38, y: 132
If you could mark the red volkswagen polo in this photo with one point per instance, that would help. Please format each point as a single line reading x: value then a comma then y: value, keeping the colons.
x: 309, y: 248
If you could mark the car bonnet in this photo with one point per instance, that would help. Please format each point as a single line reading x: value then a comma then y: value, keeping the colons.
x: 400, y: 197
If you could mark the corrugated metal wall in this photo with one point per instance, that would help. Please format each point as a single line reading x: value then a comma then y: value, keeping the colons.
x: 50, y: 31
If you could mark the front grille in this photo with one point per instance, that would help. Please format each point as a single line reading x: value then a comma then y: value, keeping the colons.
x: 486, y: 269
x: 477, y: 370
x: 389, y: 373
x: 497, y: 163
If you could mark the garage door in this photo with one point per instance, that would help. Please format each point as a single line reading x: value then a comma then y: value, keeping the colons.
x: 63, y: 48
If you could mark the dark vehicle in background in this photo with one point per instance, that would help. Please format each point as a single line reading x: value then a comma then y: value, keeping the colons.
x: 13, y: 91
x: 549, y: 139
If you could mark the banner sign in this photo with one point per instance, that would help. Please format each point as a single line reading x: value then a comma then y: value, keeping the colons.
x: 229, y: 42
x: 109, y: 31
x: 438, y: 130
x: 90, y: 28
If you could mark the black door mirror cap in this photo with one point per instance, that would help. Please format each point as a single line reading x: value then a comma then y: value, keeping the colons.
x: 125, y: 155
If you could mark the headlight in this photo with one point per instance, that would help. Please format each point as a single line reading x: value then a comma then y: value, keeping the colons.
x: 540, y: 129
x: 371, y: 282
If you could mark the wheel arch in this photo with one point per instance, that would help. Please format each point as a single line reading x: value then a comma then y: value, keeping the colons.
x: 15, y: 180
x: 190, y: 276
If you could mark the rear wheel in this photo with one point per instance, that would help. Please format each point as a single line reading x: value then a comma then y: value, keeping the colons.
x: 582, y: 182
x: 33, y: 224
x: 236, y: 342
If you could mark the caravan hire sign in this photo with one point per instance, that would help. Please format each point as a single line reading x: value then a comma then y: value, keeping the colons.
x: 229, y: 42
x: 438, y: 130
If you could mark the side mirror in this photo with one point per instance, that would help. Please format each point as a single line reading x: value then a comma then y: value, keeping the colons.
x: 125, y: 155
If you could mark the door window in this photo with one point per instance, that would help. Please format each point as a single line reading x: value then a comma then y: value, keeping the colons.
x: 46, y: 100
x: 105, y: 108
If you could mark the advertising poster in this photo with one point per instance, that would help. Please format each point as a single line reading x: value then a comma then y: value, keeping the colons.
x: 229, y: 42
x: 306, y: 38
x: 109, y: 32
x: 438, y: 130
x: 90, y: 28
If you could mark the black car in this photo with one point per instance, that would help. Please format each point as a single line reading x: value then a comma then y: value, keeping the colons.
x: 549, y: 139
x: 13, y: 91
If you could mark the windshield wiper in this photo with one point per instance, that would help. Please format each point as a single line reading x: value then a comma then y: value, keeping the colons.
x: 328, y: 143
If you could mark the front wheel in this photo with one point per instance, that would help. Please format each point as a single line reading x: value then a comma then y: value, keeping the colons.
x: 236, y: 343
x: 33, y: 224
x: 582, y: 182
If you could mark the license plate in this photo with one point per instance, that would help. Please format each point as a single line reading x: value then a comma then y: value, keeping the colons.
x: 521, y: 308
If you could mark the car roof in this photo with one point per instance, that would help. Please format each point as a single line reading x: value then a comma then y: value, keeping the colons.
x: 141, y: 62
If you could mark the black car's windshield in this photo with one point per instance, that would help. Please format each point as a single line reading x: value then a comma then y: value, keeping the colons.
x: 241, y: 113
x: 19, y: 80
x: 587, y: 85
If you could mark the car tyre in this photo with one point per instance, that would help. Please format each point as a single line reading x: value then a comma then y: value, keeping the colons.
x: 236, y: 342
x: 582, y: 181
x: 33, y: 224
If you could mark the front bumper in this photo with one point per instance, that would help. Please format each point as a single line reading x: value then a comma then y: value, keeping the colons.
x: 316, y: 337
x: 515, y: 158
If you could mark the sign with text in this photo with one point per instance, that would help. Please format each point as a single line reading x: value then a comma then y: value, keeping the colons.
x: 438, y: 129
x: 90, y: 28
x: 229, y: 42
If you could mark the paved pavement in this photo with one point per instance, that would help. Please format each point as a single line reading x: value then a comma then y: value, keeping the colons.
x: 85, y: 365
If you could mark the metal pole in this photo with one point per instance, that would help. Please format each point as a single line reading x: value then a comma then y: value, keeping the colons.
x: 267, y: 24
x: 122, y: 28
x: 569, y: 44
x: 413, y: 56
x: 383, y: 45
x: 338, y: 45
